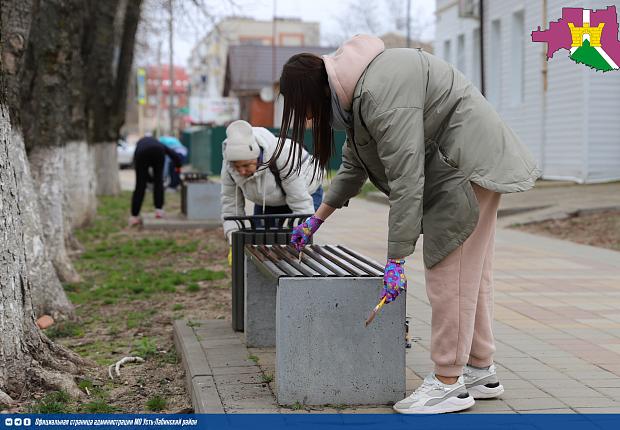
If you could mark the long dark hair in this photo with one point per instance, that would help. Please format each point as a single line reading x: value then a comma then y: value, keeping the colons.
x: 306, y: 92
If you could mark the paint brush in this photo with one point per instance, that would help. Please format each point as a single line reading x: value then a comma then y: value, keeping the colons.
x: 375, y: 311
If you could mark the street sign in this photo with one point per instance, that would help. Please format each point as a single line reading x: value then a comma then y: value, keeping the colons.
x: 141, y: 78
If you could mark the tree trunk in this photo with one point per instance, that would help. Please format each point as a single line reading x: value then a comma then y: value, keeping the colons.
x: 48, y: 296
x: 47, y: 163
x: 46, y: 109
x: 108, y: 65
x: 80, y: 184
x: 106, y: 162
x: 26, y: 355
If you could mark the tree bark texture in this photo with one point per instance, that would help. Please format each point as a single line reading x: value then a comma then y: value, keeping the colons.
x: 109, y: 61
x: 48, y: 296
x: 27, y: 356
x: 80, y: 183
x: 46, y: 162
x: 46, y: 102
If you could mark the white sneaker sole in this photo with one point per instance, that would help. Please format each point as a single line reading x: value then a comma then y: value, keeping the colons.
x: 453, y: 404
x: 482, y: 392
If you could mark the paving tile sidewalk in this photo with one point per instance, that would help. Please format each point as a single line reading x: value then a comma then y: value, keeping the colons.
x: 553, y: 200
x: 557, y: 327
x: 557, y: 311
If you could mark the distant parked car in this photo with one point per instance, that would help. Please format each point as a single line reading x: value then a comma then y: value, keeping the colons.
x: 125, y: 152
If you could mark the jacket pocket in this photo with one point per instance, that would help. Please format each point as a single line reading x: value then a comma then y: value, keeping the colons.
x: 450, y: 209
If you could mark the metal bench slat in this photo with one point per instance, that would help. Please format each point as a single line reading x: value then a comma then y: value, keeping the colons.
x: 334, y: 268
x: 371, y: 271
x: 292, y: 260
x: 366, y: 260
x: 259, y: 257
x: 352, y: 270
x: 288, y: 269
x: 308, y: 262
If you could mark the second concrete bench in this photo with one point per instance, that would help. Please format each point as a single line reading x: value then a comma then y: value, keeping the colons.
x: 314, y: 314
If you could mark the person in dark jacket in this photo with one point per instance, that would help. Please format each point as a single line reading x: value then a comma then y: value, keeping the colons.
x: 150, y: 154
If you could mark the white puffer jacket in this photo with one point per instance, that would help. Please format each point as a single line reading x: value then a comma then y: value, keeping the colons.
x: 262, y: 189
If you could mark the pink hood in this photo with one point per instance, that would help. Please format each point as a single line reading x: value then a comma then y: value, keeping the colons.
x: 345, y: 67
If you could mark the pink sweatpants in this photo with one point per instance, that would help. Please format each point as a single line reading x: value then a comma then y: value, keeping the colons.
x: 460, y: 290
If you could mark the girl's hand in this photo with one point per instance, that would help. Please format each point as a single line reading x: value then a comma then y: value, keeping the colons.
x: 304, y: 231
x: 394, y: 280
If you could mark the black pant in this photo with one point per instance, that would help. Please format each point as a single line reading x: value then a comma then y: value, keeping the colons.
x: 146, y: 156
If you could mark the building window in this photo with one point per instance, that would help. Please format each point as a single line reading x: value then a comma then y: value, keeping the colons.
x: 475, y: 65
x: 495, y: 63
x: 460, y: 53
x: 447, y: 51
x: 517, y: 58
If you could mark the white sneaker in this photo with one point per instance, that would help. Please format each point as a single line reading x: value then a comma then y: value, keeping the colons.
x: 435, y: 397
x: 482, y: 383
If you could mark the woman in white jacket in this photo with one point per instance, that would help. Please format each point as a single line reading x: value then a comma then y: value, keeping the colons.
x: 273, y: 190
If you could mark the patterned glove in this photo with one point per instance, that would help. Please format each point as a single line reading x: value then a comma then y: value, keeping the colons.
x: 304, y: 231
x: 394, y: 280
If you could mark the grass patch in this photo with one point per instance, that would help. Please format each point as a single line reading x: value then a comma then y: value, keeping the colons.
x: 193, y: 287
x: 139, y: 318
x: 145, y: 348
x: 177, y: 307
x: 297, y: 406
x: 254, y: 358
x: 98, y: 406
x: 120, y: 266
x: 156, y: 403
x: 267, y: 379
x: 56, y: 402
x: 65, y: 329
x: 103, y: 353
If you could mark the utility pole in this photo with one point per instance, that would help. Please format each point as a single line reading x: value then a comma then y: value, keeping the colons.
x: 408, y: 23
x: 160, y: 81
x: 171, y: 71
x: 273, y: 59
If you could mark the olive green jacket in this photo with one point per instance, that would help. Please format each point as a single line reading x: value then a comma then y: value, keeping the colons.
x: 421, y: 132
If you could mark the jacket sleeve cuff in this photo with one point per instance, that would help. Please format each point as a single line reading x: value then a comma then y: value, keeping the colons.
x: 400, y: 249
x: 334, y: 200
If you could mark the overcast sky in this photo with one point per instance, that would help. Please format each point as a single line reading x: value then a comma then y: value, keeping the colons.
x: 333, y: 15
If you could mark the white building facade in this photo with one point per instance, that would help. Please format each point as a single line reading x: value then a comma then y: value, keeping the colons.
x: 566, y: 113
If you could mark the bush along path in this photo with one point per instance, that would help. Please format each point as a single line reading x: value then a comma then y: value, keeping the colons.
x: 135, y: 283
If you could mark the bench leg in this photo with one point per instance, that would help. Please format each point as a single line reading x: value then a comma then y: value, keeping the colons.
x: 259, y: 308
x: 324, y: 352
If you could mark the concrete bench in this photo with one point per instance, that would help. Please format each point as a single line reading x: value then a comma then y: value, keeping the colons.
x: 314, y: 314
x: 255, y: 230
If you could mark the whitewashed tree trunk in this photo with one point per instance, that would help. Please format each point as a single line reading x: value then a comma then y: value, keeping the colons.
x: 106, y: 167
x: 26, y: 355
x: 48, y: 296
x: 80, y: 182
x: 47, y: 167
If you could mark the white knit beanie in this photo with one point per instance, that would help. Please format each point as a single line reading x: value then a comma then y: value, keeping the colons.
x: 240, y: 142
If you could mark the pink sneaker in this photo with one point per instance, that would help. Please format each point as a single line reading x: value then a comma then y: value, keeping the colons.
x: 159, y: 213
x: 135, y: 221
